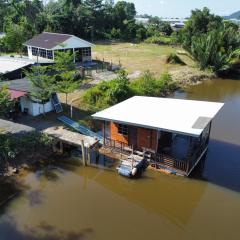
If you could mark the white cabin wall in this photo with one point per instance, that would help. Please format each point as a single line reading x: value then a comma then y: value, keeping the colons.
x: 30, y: 56
x: 25, y: 104
x: 34, y: 109
x: 38, y: 108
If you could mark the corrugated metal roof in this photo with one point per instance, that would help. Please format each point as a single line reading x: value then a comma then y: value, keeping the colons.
x: 19, y: 85
x: 8, y: 64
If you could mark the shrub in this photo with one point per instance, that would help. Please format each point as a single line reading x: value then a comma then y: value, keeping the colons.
x: 149, y: 85
x: 12, y: 146
x: 159, y: 40
x: 109, y: 93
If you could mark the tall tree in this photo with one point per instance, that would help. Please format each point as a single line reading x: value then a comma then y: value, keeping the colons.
x: 16, y: 34
x: 63, y: 61
x: 42, y: 84
x: 66, y: 84
x: 210, y: 40
x: 6, y: 104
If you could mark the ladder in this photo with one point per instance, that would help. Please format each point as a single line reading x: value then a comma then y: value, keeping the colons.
x: 56, y: 103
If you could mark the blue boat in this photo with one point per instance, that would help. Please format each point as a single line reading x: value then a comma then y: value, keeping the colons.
x: 131, y: 168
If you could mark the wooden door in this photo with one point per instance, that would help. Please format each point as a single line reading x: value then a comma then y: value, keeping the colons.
x: 132, y: 137
x: 144, y: 138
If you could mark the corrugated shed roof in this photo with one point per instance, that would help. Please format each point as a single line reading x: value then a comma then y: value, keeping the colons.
x: 8, y: 64
x: 18, y: 85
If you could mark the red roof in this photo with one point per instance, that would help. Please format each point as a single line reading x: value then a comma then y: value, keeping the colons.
x: 16, y: 94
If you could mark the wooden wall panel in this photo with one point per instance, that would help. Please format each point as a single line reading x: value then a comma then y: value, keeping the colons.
x: 147, y: 138
x: 115, y: 135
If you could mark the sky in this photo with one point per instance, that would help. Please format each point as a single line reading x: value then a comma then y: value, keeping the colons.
x: 182, y: 8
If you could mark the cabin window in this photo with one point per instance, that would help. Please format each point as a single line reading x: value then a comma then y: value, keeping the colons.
x: 86, y: 52
x: 34, y: 51
x: 49, y: 54
x: 123, y: 129
x: 42, y: 53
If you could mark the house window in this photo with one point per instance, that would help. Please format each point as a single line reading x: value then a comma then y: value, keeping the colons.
x: 49, y: 54
x: 34, y: 51
x: 42, y: 53
x: 123, y: 129
x: 86, y: 52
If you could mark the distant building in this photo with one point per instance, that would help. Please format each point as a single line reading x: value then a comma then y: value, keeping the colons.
x: 143, y: 21
x: 236, y: 21
x: 175, y: 23
x: 44, y: 46
x: 177, y: 26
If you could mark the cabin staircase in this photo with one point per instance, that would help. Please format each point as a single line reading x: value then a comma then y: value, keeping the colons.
x: 56, y: 103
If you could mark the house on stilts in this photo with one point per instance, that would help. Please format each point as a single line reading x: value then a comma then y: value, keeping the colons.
x: 174, y: 133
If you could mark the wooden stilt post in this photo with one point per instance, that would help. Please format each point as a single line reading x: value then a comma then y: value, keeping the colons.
x: 61, y: 147
x: 88, y: 156
x: 54, y: 147
x: 83, y: 153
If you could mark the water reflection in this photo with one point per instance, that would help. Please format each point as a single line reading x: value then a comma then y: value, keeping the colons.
x: 43, y: 231
x: 222, y: 166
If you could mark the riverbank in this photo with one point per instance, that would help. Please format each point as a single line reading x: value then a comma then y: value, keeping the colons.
x: 188, y: 76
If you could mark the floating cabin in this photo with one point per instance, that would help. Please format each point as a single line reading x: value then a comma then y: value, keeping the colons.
x: 173, y: 132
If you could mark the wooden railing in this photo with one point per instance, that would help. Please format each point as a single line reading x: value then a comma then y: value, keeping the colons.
x: 160, y: 159
x: 196, y: 155
x: 170, y: 161
x: 117, y: 145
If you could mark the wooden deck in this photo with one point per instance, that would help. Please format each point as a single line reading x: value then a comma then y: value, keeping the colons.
x: 70, y: 137
x: 157, y: 161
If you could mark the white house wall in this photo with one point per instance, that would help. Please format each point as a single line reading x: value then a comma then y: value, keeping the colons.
x: 38, y: 108
x: 25, y: 104
x: 34, y: 109
x: 73, y: 42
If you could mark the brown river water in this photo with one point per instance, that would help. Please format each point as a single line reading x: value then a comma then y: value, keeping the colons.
x: 91, y: 203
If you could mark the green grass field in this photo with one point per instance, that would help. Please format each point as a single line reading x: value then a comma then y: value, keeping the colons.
x: 138, y: 57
